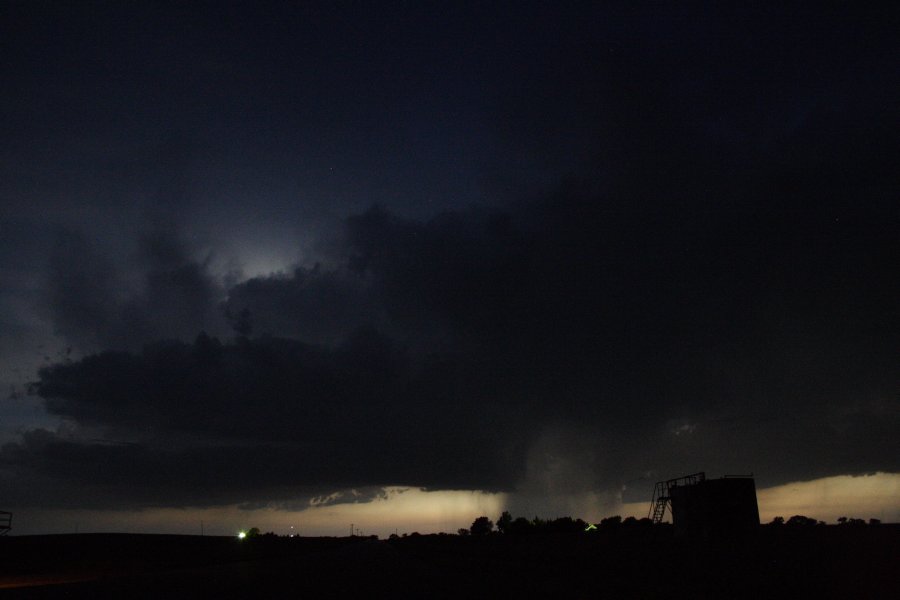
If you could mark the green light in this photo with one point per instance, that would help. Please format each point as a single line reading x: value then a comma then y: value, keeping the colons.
x: 590, y: 527
x: 242, y: 535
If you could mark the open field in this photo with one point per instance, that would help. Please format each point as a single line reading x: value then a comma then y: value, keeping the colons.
x: 830, y: 562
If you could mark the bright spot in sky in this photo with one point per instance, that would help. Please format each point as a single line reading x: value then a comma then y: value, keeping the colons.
x: 260, y: 256
x: 262, y: 263
x: 242, y: 535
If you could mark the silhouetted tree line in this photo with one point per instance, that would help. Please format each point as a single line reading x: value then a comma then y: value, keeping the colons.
x: 507, y: 525
x: 804, y: 521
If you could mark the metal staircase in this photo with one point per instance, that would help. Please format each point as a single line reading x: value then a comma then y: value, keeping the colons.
x: 661, y: 497
x: 658, y: 507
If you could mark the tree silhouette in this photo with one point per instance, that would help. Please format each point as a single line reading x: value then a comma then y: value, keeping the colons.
x: 610, y: 523
x: 481, y: 526
x: 800, y: 520
x: 520, y: 526
x: 504, y: 522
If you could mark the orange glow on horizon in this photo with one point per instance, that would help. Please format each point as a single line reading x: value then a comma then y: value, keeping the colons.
x: 406, y: 510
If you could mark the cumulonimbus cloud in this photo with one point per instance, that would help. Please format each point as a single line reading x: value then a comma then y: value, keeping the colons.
x: 449, y: 349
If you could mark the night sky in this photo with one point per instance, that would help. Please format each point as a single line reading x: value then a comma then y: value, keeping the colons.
x: 269, y: 255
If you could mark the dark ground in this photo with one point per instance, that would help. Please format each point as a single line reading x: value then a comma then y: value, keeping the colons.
x: 797, y: 562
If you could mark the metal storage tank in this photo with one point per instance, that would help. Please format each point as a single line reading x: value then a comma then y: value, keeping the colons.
x: 708, y: 507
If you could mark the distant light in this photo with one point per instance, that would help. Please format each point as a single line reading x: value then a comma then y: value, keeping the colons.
x: 242, y: 535
x: 590, y: 527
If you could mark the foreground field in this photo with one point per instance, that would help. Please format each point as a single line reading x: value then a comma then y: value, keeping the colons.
x: 829, y: 562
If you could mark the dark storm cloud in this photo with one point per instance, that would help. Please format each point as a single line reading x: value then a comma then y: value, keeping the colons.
x: 315, y: 305
x: 712, y: 287
x: 51, y: 470
x: 156, y: 291
x: 278, y: 412
x: 639, y: 344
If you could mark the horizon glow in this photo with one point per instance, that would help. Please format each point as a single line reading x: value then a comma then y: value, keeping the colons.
x: 407, y: 510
